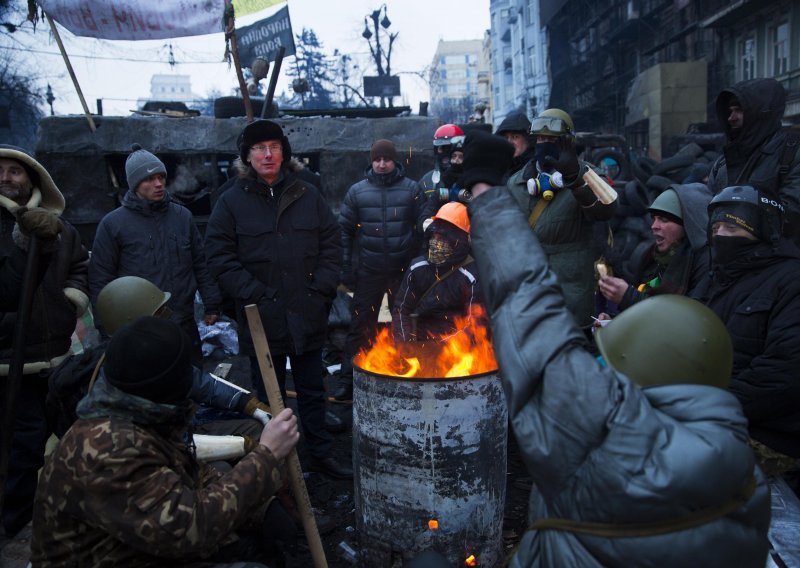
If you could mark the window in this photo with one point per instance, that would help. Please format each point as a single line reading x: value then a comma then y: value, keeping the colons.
x: 779, y: 38
x: 532, y: 6
x: 443, y: 74
x: 532, y: 60
x: 747, y: 58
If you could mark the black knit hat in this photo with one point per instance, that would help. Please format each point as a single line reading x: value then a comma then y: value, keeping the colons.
x: 383, y: 149
x: 261, y: 131
x: 514, y: 122
x: 487, y: 157
x: 150, y: 358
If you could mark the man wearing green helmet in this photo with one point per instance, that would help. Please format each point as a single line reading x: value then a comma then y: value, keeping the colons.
x: 561, y: 208
x: 678, y: 261
x: 638, y: 461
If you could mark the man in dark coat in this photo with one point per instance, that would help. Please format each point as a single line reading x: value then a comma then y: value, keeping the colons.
x: 155, y: 238
x: 272, y: 240
x: 381, y: 218
x: 516, y: 128
x: 757, y: 148
x: 641, y: 461
x: 756, y: 292
x: 60, y: 298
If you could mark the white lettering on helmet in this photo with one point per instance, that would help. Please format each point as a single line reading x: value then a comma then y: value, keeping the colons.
x: 772, y: 203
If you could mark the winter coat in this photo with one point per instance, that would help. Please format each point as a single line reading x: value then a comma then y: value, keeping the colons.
x: 382, y: 217
x: 59, y: 299
x: 157, y: 241
x: 598, y: 447
x: 277, y: 247
x: 688, y: 270
x: 449, y: 298
x: 758, y: 298
x: 565, y: 232
x: 753, y: 156
x: 123, y: 489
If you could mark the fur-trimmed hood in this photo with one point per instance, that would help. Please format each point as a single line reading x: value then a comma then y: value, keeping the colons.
x: 45, y: 193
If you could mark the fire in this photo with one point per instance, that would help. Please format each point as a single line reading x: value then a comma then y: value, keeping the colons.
x: 433, y: 524
x: 466, y: 351
x: 470, y: 560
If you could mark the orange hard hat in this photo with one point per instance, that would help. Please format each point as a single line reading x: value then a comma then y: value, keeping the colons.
x: 455, y: 213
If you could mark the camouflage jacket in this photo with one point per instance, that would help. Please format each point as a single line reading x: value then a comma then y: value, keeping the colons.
x: 122, y: 488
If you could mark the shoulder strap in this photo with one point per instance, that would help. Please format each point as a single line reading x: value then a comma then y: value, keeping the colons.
x: 537, y: 212
x: 788, y: 153
x: 450, y: 272
x: 631, y: 530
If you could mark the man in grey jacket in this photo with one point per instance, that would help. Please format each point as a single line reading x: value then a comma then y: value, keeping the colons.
x: 640, y: 460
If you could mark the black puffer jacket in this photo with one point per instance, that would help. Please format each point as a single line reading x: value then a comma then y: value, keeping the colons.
x: 753, y: 155
x: 758, y: 298
x: 382, y: 216
x: 279, y: 247
x: 157, y: 241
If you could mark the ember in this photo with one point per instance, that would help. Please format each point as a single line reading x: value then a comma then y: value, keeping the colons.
x: 467, y: 351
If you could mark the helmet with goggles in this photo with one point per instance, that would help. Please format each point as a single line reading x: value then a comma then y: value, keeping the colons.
x: 552, y: 122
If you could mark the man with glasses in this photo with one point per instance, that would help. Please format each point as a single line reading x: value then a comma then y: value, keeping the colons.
x: 272, y: 240
x: 155, y: 238
x: 561, y: 209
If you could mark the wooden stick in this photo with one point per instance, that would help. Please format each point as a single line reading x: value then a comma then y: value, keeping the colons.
x: 293, y: 462
x: 230, y: 31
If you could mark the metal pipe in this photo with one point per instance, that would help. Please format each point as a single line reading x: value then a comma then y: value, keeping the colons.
x: 273, y: 81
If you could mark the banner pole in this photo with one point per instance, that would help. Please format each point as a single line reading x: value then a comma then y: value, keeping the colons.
x: 230, y: 31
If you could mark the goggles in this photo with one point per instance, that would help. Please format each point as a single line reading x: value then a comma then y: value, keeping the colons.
x: 549, y: 125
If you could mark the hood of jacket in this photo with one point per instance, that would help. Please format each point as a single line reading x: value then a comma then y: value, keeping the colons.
x: 391, y: 178
x: 763, y: 102
x: 44, y: 194
x: 105, y: 400
x: 694, y: 198
x: 135, y: 203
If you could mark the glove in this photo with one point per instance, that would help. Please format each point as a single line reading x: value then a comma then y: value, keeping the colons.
x: 40, y: 222
x: 567, y: 161
x: 258, y: 410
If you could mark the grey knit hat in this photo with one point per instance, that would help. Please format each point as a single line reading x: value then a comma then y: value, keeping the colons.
x: 142, y: 164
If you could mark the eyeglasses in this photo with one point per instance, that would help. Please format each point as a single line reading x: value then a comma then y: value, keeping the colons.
x: 274, y: 148
x: 549, y: 125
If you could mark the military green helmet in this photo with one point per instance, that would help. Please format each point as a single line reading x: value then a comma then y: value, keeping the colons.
x: 127, y: 298
x: 668, y: 339
x: 667, y: 202
x: 552, y: 122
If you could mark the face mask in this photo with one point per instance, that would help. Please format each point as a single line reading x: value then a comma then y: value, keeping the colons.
x: 545, y: 149
x: 439, y: 251
x: 727, y: 250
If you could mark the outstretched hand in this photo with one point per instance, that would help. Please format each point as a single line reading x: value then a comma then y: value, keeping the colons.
x: 567, y: 161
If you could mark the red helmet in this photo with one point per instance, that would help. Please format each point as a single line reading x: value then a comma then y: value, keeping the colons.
x: 448, y: 134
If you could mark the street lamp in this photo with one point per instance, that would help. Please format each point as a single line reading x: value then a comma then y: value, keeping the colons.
x: 50, y: 98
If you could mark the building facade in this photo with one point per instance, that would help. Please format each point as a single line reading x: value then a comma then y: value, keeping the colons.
x: 459, y: 79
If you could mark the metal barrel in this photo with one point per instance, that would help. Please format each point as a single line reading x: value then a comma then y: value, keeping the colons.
x: 429, y: 459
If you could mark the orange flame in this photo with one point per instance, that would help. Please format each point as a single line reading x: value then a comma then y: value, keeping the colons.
x: 433, y: 524
x: 470, y: 560
x: 467, y: 351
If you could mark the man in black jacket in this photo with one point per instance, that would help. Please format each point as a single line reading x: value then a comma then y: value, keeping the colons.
x: 272, y: 240
x: 381, y: 217
x: 759, y: 153
x: 756, y: 292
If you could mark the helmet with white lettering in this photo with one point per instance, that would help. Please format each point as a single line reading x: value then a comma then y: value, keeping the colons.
x: 746, y: 207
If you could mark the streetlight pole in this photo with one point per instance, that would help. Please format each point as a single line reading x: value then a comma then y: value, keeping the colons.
x: 50, y: 98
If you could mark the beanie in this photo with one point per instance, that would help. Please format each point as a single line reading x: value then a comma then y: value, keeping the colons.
x: 487, y: 157
x: 140, y: 165
x: 150, y: 358
x: 383, y: 149
x: 261, y: 131
x: 743, y: 215
x: 514, y: 122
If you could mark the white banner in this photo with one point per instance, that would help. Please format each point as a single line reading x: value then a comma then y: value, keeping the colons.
x: 137, y: 19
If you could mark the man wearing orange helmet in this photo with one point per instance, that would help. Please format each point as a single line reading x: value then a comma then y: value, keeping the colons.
x: 440, y: 286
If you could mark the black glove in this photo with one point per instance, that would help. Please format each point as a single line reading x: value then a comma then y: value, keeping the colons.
x: 567, y: 161
x: 42, y: 223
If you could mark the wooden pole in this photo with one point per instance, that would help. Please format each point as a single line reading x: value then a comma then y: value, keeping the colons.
x: 273, y: 81
x: 293, y: 462
x: 230, y: 31
x: 92, y: 125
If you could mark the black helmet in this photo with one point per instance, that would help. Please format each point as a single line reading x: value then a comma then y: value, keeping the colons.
x: 744, y: 206
x: 668, y: 339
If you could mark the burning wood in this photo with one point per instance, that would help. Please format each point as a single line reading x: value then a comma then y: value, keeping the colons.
x: 464, y: 352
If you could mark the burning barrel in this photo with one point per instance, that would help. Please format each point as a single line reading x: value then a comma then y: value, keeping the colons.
x: 429, y: 458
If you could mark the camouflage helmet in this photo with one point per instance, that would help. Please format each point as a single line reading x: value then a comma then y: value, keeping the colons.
x: 127, y: 298
x: 552, y: 122
x: 668, y: 339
